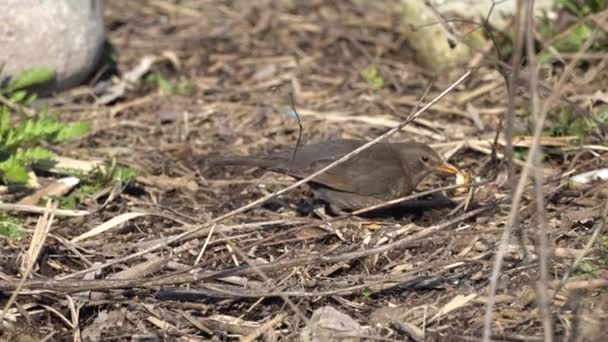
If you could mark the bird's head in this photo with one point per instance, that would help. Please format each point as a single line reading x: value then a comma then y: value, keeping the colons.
x: 419, y: 160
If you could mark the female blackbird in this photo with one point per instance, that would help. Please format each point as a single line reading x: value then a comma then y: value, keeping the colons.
x: 380, y: 173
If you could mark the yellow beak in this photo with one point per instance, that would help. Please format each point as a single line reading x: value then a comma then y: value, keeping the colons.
x: 446, y: 168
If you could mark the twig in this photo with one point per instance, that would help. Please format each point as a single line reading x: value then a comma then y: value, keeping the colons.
x: 40, y: 210
x: 416, y: 277
x: 16, y: 107
x: 411, y: 197
x: 511, y: 88
x: 300, y: 128
x: 542, y: 230
x: 200, y: 254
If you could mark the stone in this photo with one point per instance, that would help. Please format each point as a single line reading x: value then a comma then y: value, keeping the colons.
x: 66, y: 36
x: 330, y: 325
x: 439, y: 50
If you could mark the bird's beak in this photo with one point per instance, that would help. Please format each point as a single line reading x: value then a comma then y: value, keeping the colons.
x: 446, y: 168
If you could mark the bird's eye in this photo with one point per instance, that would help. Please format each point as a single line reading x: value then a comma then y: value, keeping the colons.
x: 424, y: 159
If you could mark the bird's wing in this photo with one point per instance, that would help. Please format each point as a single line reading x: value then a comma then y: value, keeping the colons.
x: 361, y: 175
x: 373, y: 172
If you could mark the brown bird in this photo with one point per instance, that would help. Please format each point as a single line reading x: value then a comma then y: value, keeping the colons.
x: 383, y: 172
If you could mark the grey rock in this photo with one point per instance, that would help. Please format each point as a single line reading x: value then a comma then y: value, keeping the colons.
x: 330, y: 325
x: 436, y: 48
x: 66, y: 36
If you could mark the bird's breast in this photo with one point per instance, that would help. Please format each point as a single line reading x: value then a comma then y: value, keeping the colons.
x: 401, y: 187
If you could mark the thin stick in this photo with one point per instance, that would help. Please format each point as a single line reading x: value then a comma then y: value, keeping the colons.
x: 200, y: 255
x: 511, y: 88
x: 300, y: 128
x: 543, y: 245
x: 41, y: 210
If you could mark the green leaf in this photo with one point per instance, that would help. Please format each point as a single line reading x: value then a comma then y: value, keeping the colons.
x: 587, y: 267
x: 30, y: 99
x: 14, y: 169
x: 164, y: 85
x: 186, y: 88
x: 5, y: 120
x: 11, y: 228
x: 603, y: 242
x: 124, y: 174
x: 30, y: 78
x: 570, y: 6
x: 582, y: 8
x: 69, y: 202
x: 520, y: 153
x: 573, y: 41
x: 562, y: 122
x: 13, y: 172
x: 373, y: 77
x: 367, y: 292
x: 21, y: 143
x: 18, y: 96
x: 72, y: 131
x: 80, y: 193
x: 545, y: 58
x: 33, y: 155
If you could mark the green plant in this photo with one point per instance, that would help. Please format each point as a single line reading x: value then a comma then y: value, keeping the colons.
x: 582, y: 8
x: 20, y: 142
x: 573, y: 39
x: 17, y: 90
x: 603, y: 242
x: 587, y: 267
x: 10, y: 227
x: 165, y: 86
x: 521, y: 153
x: 22, y: 138
x: 562, y: 122
x: 366, y: 293
x: 111, y: 174
x: 373, y: 77
x: 109, y: 54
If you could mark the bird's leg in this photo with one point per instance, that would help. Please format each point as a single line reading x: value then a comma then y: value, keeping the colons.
x: 326, y: 210
x: 321, y: 212
x: 334, y: 209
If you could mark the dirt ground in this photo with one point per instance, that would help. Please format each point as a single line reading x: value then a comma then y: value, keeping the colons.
x: 227, y: 69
